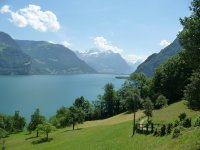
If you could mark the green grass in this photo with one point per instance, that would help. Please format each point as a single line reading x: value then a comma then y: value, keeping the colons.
x: 112, y: 134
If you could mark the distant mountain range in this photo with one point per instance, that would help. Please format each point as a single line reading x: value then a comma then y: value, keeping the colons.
x: 38, y: 57
x: 156, y: 59
x: 12, y: 59
x: 50, y: 58
x: 105, y: 61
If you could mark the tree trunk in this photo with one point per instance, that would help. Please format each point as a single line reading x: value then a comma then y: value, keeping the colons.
x: 47, y: 136
x: 134, y: 124
x: 73, y: 126
x: 37, y: 134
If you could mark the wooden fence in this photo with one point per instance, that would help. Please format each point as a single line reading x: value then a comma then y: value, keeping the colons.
x: 146, y: 128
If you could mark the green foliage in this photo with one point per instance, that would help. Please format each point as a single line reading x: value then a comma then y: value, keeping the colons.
x: 13, y: 123
x: 169, y: 128
x: 176, y: 132
x: 75, y: 116
x: 190, y: 36
x: 85, y: 105
x: 182, y: 116
x: 45, y: 128
x: 140, y: 82
x: 176, y: 123
x: 197, y: 122
x: 192, y: 93
x: 36, y: 119
x: 3, y: 133
x: 133, y: 100
x: 148, y: 108
x: 18, y: 121
x: 161, y: 102
x: 163, y: 130
x: 187, y: 122
x: 109, y: 99
x: 171, y: 78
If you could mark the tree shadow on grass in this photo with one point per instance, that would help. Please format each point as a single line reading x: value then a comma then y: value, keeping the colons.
x: 42, y: 140
x: 69, y: 130
x: 32, y: 137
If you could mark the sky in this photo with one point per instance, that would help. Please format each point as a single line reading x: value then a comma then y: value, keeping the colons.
x: 133, y: 28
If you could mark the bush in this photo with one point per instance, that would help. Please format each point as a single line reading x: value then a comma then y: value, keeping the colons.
x: 169, y: 128
x: 163, y: 130
x: 3, y: 133
x: 182, y: 116
x: 191, y: 94
x: 155, y: 132
x: 187, y: 123
x: 161, y: 102
x: 176, y: 123
x: 176, y: 132
x: 197, y: 122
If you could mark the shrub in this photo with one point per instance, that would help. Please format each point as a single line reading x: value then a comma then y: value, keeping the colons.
x: 176, y: 132
x: 182, y: 116
x: 176, y: 123
x: 163, y: 130
x: 191, y: 93
x: 155, y: 132
x: 169, y: 128
x: 197, y: 122
x: 187, y: 123
x: 161, y: 102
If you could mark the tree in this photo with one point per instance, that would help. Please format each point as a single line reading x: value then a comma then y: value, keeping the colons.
x: 75, y: 116
x: 190, y: 36
x: 161, y: 102
x: 133, y: 101
x: 36, y: 119
x: 148, y: 108
x: 192, y: 92
x: 19, y: 121
x: 109, y: 99
x: 141, y: 82
x: 61, y: 117
x: 85, y: 105
x: 171, y: 78
x: 46, y: 128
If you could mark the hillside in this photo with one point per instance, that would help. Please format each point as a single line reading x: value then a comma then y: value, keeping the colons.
x: 113, y: 134
x: 105, y: 61
x: 12, y: 60
x: 50, y: 58
x: 156, y: 59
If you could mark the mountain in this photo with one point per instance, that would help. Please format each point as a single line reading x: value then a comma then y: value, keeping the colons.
x: 105, y: 61
x: 12, y: 60
x: 156, y: 59
x: 48, y: 58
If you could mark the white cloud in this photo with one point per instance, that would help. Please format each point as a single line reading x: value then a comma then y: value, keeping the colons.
x: 34, y: 17
x: 106, y: 45
x: 66, y: 44
x: 131, y: 58
x: 164, y: 43
x: 5, y: 9
x: 52, y: 42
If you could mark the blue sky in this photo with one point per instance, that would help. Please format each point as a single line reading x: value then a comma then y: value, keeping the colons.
x: 135, y: 28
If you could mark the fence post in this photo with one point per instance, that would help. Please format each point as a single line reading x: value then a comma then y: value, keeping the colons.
x: 3, y: 145
x: 152, y: 128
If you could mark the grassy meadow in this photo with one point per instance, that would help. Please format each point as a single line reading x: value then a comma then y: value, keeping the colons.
x: 112, y: 134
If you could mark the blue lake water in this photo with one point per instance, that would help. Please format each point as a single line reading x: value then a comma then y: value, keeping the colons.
x: 49, y: 92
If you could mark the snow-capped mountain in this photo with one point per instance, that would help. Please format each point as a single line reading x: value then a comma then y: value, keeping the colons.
x: 105, y: 61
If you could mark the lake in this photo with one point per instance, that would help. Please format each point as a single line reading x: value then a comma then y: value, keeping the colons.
x: 49, y: 92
